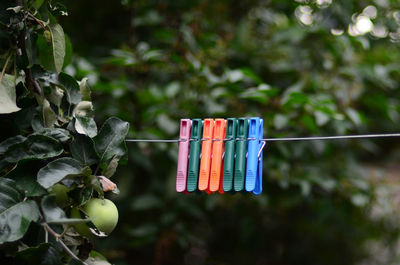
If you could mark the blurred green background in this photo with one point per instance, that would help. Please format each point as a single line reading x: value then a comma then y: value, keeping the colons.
x: 308, y: 67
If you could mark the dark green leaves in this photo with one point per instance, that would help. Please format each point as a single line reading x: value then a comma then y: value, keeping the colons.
x: 15, y: 214
x: 34, y: 147
x: 110, y: 141
x: 72, y: 88
x: 44, y: 254
x: 54, y: 214
x: 9, y: 142
x: 82, y: 149
x: 57, y: 170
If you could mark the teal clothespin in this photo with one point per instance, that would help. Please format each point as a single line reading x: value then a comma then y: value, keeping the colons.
x: 194, y: 157
x: 240, y: 151
x: 229, y: 158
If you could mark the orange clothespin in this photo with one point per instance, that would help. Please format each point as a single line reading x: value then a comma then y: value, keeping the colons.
x: 217, y: 164
x: 206, y: 148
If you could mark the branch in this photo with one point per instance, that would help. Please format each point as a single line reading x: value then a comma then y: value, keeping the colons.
x: 58, y: 238
x: 4, y: 68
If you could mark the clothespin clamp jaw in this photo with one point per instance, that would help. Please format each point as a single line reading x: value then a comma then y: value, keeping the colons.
x: 183, y: 152
x: 254, y: 157
x: 194, y: 154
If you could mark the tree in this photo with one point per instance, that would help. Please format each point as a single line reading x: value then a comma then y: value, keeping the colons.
x: 53, y: 159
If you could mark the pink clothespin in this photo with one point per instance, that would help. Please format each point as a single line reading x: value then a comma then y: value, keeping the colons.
x: 183, y: 155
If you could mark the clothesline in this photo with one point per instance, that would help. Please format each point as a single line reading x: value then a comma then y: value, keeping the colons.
x: 276, y: 139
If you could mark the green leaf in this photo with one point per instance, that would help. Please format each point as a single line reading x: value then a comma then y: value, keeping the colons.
x: 36, y: 4
x: 112, y: 167
x: 57, y: 170
x: 25, y: 176
x: 110, y: 141
x: 9, y: 142
x: 50, y: 209
x: 49, y: 117
x: 86, y: 126
x: 68, y: 51
x: 85, y: 90
x: 56, y: 96
x: 58, y: 45
x: 95, y: 258
x: 93, y: 181
x: 54, y: 214
x: 44, y: 254
x: 34, y: 147
x: 15, y: 214
x: 59, y: 134
x: 71, y: 87
x: 82, y: 149
x: 83, y: 109
x: 7, y: 95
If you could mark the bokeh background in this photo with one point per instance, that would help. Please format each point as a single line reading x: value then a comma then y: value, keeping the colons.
x: 308, y: 67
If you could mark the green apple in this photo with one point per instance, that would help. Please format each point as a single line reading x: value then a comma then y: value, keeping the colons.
x: 61, y: 192
x: 104, y: 214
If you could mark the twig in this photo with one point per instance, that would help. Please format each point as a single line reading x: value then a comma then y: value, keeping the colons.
x: 58, y: 238
x: 4, y: 68
x: 38, y: 21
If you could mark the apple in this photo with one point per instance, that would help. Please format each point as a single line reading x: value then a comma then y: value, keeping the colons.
x: 61, y: 192
x: 104, y: 214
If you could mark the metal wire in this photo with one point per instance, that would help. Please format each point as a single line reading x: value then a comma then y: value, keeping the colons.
x: 309, y: 138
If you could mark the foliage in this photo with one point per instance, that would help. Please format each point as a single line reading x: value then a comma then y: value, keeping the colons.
x: 49, y: 137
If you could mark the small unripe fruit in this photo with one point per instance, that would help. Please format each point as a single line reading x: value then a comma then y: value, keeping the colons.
x: 104, y: 214
x: 61, y: 193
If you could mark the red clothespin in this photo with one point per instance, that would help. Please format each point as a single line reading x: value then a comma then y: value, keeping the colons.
x: 217, y: 164
x: 183, y: 155
x: 206, y: 148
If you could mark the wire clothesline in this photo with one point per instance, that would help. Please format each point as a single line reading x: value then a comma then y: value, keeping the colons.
x: 283, y: 139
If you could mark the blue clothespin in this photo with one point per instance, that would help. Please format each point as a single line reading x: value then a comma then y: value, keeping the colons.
x: 254, y: 156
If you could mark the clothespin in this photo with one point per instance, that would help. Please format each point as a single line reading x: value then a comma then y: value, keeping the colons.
x: 217, y: 164
x: 254, y: 156
x: 194, y: 157
x: 183, y: 152
x: 206, y: 148
x: 240, y: 159
x: 229, y: 158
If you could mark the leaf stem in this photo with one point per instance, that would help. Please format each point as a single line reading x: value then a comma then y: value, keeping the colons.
x: 4, y: 68
x: 38, y: 21
x: 58, y: 238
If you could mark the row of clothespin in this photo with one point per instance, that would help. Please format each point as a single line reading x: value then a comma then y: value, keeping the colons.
x: 220, y: 155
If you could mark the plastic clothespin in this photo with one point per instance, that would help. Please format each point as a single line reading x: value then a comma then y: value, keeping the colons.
x: 240, y: 154
x: 194, y: 157
x: 206, y: 148
x: 183, y: 153
x: 254, y: 156
x: 217, y: 164
x: 229, y: 158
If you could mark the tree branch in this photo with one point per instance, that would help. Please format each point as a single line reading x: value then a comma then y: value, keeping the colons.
x: 58, y: 238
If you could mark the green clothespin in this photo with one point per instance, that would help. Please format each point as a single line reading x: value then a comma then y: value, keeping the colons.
x: 229, y: 158
x: 241, y: 149
x: 194, y: 157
